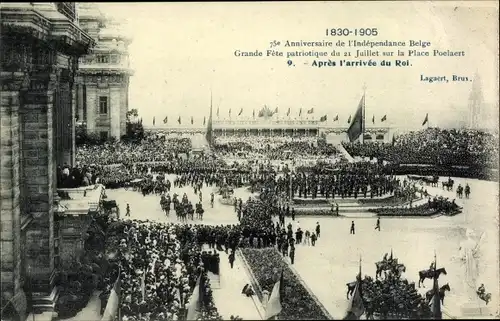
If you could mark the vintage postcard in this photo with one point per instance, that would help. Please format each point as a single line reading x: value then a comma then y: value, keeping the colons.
x: 249, y: 160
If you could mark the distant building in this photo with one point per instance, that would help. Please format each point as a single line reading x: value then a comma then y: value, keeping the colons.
x: 102, y: 81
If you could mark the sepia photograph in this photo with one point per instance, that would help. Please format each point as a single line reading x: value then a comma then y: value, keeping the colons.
x: 273, y: 160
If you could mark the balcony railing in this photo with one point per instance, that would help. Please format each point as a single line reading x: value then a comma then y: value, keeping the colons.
x: 68, y: 9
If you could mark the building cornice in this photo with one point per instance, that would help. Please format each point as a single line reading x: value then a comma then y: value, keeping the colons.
x: 57, y: 29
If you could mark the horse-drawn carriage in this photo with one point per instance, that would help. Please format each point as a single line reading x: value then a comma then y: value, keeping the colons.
x: 227, y: 195
x: 111, y: 208
x: 133, y: 184
x: 429, y: 180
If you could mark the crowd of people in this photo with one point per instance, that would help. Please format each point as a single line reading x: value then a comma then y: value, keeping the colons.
x: 393, y: 297
x: 159, y: 265
x: 149, y: 150
x: 434, y: 146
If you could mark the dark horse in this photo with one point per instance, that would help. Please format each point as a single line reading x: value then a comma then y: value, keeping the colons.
x: 429, y: 274
x: 449, y: 184
x: 486, y: 297
x: 442, y: 290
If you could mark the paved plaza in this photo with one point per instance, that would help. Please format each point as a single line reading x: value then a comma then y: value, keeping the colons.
x: 333, y: 262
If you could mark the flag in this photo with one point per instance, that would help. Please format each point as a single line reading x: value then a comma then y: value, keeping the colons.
x: 356, y: 307
x: 143, y: 284
x: 300, y: 111
x: 356, y: 127
x: 273, y: 307
x: 113, y: 301
x: 254, y: 113
x: 275, y: 111
x: 391, y: 257
x: 393, y: 140
x: 384, y: 118
x: 229, y: 112
x: 336, y: 118
x: 204, y: 120
x: 373, y: 119
x: 192, y: 120
x: 310, y: 111
x: 209, y: 133
x: 288, y: 112
x: 195, y: 302
x: 261, y: 112
x: 426, y: 119
x: 153, y: 266
x: 217, y: 109
x: 435, y: 303
x: 179, y: 120
x: 349, y: 120
x: 154, y: 120
x: 165, y: 120
x: 241, y: 112
x: 323, y: 118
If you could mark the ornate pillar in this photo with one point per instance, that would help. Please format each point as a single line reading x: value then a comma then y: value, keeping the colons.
x: 39, y: 149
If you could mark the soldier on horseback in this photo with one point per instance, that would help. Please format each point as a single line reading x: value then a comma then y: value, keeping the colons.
x: 432, y: 266
x: 467, y: 190
x: 481, y: 290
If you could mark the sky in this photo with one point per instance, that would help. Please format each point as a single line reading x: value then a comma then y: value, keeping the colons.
x: 181, y: 52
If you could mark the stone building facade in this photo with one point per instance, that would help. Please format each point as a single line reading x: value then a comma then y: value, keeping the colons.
x: 102, y: 80
x: 40, y: 47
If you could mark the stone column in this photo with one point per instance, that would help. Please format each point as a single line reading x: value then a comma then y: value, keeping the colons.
x: 10, y: 185
x: 91, y: 106
x: 39, y: 169
x: 80, y: 101
x: 114, y: 110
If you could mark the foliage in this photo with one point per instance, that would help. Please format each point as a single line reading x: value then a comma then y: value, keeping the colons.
x: 297, y: 302
x: 134, y: 132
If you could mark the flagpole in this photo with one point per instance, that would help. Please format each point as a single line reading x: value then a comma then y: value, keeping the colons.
x: 363, y: 121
